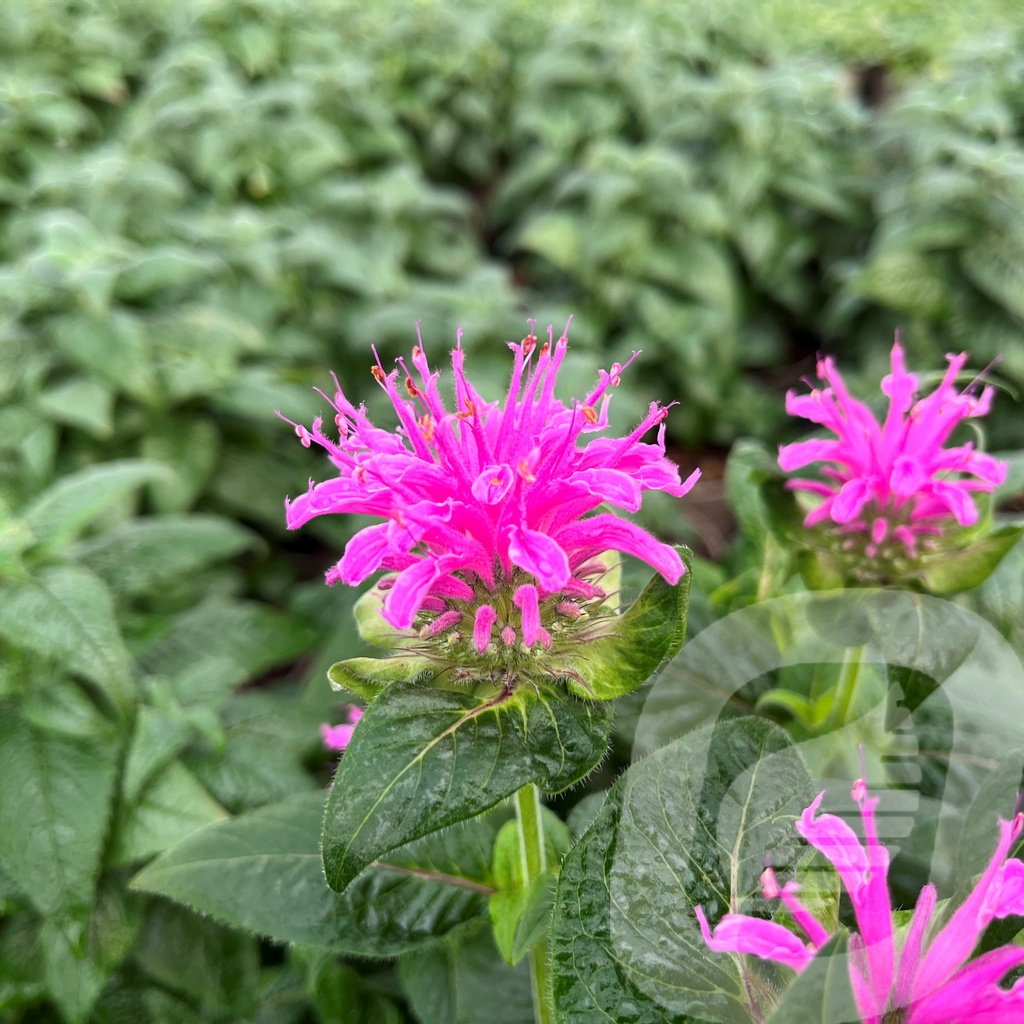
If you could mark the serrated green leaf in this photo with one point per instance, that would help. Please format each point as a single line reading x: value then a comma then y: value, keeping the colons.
x: 55, y: 799
x: 263, y: 872
x: 66, y: 613
x: 423, y: 758
x: 689, y: 825
x: 952, y: 572
x: 60, y: 513
x: 147, y: 553
x: 367, y: 677
x: 638, y: 643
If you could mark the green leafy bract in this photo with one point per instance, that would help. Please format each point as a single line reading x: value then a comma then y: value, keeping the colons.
x: 423, y: 758
x: 639, y: 641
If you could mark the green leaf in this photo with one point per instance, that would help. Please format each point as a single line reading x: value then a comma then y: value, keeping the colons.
x: 263, y: 872
x: 146, y: 553
x: 62, y: 706
x: 423, y: 758
x: 245, y: 634
x: 63, y: 511
x: 191, y: 450
x: 821, y: 993
x: 22, y: 980
x: 199, y: 958
x: 341, y: 996
x: 465, y: 981
x: 81, y: 402
x: 65, y: 613
x: 638, y: 643
x: 55, y: 798
x: 367, y: 677
x: 170, y: 808
x: 556, y: 237
x: 952, y: 572
x: 689, y: 825
x: 82, y: 951
x: 157, y: 738
x: 113, y: 348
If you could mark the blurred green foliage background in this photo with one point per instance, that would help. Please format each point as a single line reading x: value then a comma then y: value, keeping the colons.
x: 205, y: 205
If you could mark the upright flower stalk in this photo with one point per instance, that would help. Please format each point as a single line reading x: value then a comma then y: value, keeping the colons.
x: 918, y: 979
x: 488, y: 527
x: 500, y: 552
x: 890, y: 489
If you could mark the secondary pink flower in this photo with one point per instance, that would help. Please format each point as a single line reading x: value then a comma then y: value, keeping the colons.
x: 928, y: 983
x: 489, y: 498
x: 892, y: 480
x: 338, y: 737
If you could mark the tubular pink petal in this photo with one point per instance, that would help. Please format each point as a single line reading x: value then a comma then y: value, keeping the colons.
x: 834, y: 838
x: 907, y: 476
x: 1006, y: 895
x: 336, y: 737
x: 910, y: 955
x: 484, y: 622
x: 803, y: 453
x: 970, y: 989
x: 526, y: 600
x: 411, y: 586
x: 951, y: 947
x: 879, y: 530
x: 607, y: 532
x: 508, y: 636
x: 446, y: 620
x: 610, y: 485
x: 540, y: 556
x: 957, y: 500
x: 852, y: 497
x: 870, y: 1003
x: 364, y: 554
x: 737, y: 933
x: 812, y: 927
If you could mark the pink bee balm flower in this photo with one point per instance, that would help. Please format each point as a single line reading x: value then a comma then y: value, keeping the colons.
x: 486, y: 506
x: 916, y: 981
x: 892, y: 481
x: 338, y: 737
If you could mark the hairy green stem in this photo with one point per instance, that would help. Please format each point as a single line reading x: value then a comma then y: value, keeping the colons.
x: 533, y: 862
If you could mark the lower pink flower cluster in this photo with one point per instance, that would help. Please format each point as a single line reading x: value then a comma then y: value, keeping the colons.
x: 913, y: 981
